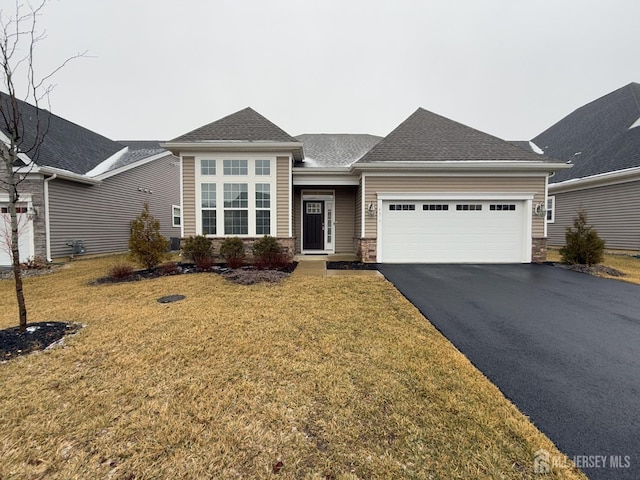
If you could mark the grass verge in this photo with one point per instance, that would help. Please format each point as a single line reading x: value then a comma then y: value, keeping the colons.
x: 627, y: 264
x: 324, y: 378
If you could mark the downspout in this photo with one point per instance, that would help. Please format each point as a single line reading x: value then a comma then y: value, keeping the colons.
x: 47, y: 227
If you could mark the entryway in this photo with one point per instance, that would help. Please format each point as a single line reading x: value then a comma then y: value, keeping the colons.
x: 318, y: 222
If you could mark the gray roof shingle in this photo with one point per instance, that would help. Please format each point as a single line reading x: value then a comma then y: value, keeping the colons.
x: 597, y: 138
x: 335, y: 149
x: 66, y: 145
x: 137, y: 150
x: 428, y: 137
x: 246, y: 125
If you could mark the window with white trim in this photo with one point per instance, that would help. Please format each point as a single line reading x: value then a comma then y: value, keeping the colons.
x: 176, y: 216
x: 236, y: 208
x: 235, y: 167
x: 551, y: 209
x: 208, y: 206
x: 263, y: 209
x: 263, y: 167
x: 207, y: 167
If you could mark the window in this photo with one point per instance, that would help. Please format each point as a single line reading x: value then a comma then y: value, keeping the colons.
x: 18, y: 209
x: 402, y: 207
x: 263, y: 205
x: 551, y: 209
x: 502, y: 207
x: 207, y: 167
x: 263, y: 167
x: 208, y: 205
x: 435, y: 206
x: 466, y: 206
x: 235, y: 167
x: 176, y: 217
x: 236, y: 205
x: 314, y: 208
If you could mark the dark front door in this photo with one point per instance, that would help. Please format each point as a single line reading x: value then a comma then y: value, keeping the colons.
x: 313, y: 225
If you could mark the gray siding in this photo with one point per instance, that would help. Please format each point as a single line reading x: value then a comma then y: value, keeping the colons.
x: 100, y: 215
x: 189, y: 195
x: 613, y: 210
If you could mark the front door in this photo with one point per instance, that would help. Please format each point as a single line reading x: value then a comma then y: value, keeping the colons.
x: 313, y: 225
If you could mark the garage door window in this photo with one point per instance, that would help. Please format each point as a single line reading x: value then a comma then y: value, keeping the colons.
x: 402, y: 206
x: 435, y: 207
x: 466, y: 206
x: 502, y: 208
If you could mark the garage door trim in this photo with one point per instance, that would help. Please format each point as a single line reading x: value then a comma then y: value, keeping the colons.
x: 527, y: 198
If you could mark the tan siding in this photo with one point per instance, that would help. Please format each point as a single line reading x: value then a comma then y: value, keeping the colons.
x: 189, y: 195
x: 282, y: 196
x: 345, y: 219
x: 100, y: 215
x: 357, y: 229
x: 375, y: 185
x: 614, y: 211
x: 297, y: 219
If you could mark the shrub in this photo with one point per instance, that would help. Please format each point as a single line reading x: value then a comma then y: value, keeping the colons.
x: 268, y: 254
x: 168, y: 268
x: 120, y: 271
x: 583, y: 245
x: 232, y: 250
x: 147, y: 246
x: 35, y: 263
x: 199, y: 250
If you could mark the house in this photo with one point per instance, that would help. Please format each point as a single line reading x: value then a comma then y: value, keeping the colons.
x: 602, y: 141
x: 433, y: 190
x: 81, y: 186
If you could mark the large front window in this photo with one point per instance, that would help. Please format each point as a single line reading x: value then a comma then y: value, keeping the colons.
x: 263, y: 206
x: 235, y: 167
x: 208, y: 196
x: 236, y: 209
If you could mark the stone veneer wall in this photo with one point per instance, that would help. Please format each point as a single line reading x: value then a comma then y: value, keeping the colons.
x: 366, y: 249
x: 539, y: 249
x: 287, y: 244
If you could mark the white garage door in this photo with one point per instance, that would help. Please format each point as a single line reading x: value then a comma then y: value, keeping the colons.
x: 25, y: 235
x: 453, y: 231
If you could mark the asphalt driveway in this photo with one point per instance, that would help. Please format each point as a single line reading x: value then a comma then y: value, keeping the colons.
x: 563, y: 346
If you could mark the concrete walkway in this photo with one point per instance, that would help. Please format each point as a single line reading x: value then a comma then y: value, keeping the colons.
x: 316, y: 266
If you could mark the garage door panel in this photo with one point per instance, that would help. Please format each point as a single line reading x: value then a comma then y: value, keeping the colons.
x: 489, y: 232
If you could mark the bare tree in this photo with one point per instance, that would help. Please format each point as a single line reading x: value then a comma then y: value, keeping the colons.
x: 24, y: 132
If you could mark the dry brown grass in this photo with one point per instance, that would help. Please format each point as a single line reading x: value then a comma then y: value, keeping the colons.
x: 627, y: 264
x: 334, y: 377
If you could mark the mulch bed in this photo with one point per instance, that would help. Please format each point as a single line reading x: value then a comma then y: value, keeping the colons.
x: 38, y: 336
x: 247, y: 275
x: 351, y: 266
x: 592, y: 270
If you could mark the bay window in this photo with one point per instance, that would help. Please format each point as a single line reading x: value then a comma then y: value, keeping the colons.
x: 236, y: 209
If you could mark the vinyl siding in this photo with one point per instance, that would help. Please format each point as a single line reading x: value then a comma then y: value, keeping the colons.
x: 357, y: 229
x: 189, y: 195
x: 613, y: 210
x: 297, y: 218
x: 375, y: 185
x: 282, y: 196
x: 345, y: 201
x: 100, y: 215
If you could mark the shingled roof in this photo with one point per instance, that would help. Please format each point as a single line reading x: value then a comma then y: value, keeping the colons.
x: 428, y: 137
x: 246, y: 125
x: 601, y: 136
x: 66, y: 146
x: 335, y: 149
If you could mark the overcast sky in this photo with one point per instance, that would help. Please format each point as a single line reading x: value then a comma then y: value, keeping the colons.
x: 160, y: 68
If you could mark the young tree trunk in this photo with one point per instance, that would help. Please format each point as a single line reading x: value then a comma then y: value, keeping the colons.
x: 15, y: 257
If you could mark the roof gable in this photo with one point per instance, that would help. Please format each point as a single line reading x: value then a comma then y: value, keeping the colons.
x: 428, y: 137
x: 601, y: 136
x: 246, y: 125
x: 66, y: 145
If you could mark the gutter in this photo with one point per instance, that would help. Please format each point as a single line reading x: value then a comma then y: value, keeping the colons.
x: 601, y: 179
x: 67, y: 175
x: 47, y: 225
x: 461, y: 165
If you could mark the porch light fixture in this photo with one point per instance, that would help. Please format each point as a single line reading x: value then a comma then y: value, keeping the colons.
x: 371, y: 209
x: 540, y: 210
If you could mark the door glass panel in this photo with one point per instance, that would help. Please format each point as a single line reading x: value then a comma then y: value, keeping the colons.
x: 314, y: 208
x: 329, y: 225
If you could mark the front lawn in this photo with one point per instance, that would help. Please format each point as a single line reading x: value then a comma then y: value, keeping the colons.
x: 319, y: 378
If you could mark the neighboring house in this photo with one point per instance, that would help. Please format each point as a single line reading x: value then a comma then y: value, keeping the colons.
x: 81, y: 186
x: 432, y: 190
x: 602, y: 142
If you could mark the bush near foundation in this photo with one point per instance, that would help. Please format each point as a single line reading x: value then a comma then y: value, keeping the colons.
x: 583, y: 245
